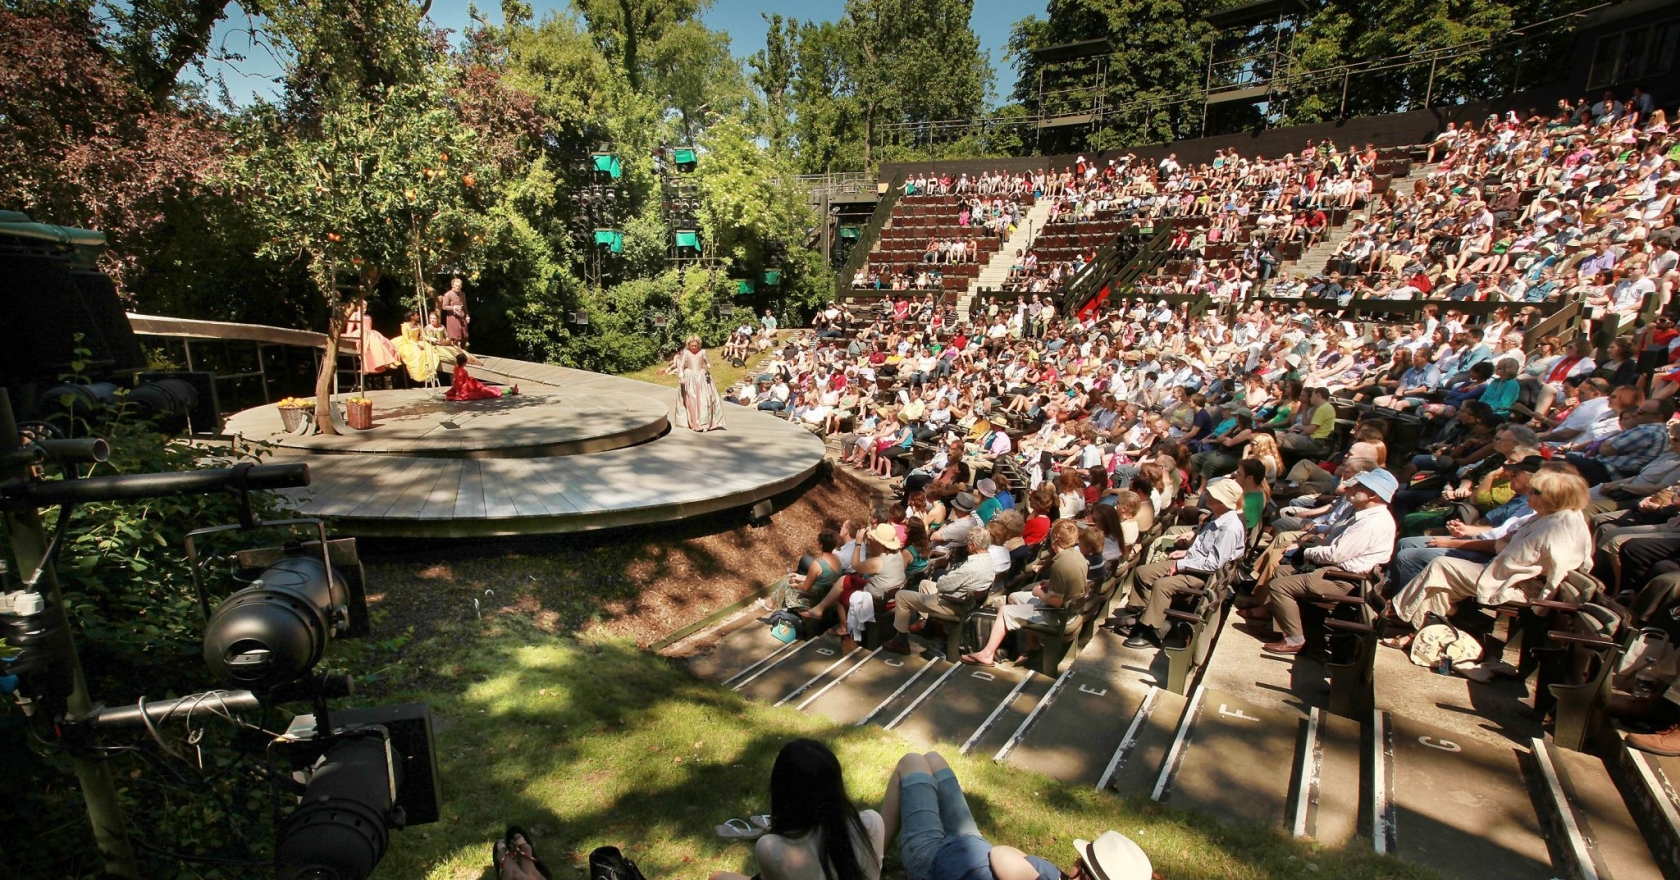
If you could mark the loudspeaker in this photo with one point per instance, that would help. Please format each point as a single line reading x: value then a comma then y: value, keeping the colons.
x: 46, y: 305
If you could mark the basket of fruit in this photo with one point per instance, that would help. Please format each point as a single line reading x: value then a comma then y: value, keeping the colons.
x: 358, y: 412
x: 295, y: 412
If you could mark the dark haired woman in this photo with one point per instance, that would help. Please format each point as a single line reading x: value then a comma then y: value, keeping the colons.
x: 816, y: 575
x: 462, y: 386
x: 816, y: 833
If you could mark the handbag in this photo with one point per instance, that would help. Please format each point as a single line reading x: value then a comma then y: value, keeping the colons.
x: 1649, y: 647
x: 784, y: 626
x: 1440, y: 639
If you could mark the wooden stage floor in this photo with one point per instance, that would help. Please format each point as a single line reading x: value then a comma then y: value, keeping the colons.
x: 575, y: 451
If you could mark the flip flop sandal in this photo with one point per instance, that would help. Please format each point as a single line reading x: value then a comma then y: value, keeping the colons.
x: 969, y: 659
x: 739, y: 829
x: 762, y: 820
x: 514, y: 831
x: 498, y: 853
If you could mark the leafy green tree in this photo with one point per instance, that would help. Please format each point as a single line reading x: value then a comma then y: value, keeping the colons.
x: 158, y: 39
x: 341, y: 50
x: 1159, y: 53
x: 827, y: 126
x: 926, y: 42
x: 1460, y: 51
x: 773, y: 69
x: 627, y: 31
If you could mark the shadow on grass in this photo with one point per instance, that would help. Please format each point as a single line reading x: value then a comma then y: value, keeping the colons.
x: 590, y: 742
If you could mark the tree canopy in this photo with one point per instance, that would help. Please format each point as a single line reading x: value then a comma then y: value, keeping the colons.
x: 226, y: 212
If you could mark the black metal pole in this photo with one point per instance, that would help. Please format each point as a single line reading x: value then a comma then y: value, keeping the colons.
x: 29, y: 547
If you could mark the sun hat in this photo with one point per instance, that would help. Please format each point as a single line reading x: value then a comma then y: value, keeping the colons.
x: 987, y: 487
x: 1114, y: 856
x: 1379, y: 481
x: 964, y: 501
x: 1226, y: 492
x: 887, y: 536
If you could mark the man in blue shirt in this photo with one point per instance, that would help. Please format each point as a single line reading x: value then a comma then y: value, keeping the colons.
x: 1627, y: 452
x: 1219, y: 541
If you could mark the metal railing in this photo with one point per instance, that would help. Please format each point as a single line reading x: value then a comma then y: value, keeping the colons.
x: 867, y: 237
x: 836, y: 184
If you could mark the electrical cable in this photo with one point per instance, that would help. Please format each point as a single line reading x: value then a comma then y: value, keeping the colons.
x: 146, y: 719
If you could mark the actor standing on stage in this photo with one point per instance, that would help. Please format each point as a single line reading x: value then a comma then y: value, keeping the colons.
x: 698, y: 404
x: 453, y: 304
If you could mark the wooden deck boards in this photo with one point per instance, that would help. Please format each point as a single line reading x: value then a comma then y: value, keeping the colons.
x: 677, y: 475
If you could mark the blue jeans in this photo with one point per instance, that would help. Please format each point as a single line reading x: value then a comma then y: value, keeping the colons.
x: 1413, y: 555
x: 932, y: 809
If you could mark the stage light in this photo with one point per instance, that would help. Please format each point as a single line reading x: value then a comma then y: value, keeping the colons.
x: 375, y: 770
x: 274, y: 631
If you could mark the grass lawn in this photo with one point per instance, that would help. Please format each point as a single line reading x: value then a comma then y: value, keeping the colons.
x: 724, y: 373
x: 587, y: 741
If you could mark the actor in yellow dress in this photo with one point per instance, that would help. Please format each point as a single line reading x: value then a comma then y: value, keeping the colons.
x: 419, y: 357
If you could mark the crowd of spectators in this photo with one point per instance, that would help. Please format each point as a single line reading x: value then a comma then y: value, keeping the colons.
x: 1463, y: 461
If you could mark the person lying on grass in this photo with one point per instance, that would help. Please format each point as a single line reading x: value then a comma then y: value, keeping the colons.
x: 816, y: 833
x: 938, y: 840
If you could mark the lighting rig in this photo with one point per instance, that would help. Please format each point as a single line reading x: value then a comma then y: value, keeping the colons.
x: 679, y: 204
x: 598, y: 203
x: 346, y: 778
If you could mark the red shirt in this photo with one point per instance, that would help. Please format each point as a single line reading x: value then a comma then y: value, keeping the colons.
x: 1036, y: 530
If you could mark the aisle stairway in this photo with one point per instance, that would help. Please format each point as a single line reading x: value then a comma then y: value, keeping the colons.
x: 996, y: 271
x: 1313, y: 260
x: 1464, y: 805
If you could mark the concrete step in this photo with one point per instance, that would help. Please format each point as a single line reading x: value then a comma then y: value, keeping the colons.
x: 1232, y: 759
x: 773, y: 680
x: 1332, y: 794
x: 856, y: 695
x: 1075, y: 730
x: 1135, y: 767
x: 1000, y: 727
x: 1454, y: 804
x: 1651, y: 785
x: 1594, y: 834
x: 738, y: 654
x: 960, y: 705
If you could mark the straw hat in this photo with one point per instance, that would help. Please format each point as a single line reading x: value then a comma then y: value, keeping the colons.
x: 887, y: 536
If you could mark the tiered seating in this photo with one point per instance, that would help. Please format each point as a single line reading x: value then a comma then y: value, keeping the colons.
x: 917, y: 219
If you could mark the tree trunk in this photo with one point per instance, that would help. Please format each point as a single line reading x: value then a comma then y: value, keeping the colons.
x: 329, y: 366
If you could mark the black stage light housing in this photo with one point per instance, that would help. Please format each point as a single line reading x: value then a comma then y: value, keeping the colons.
x: 275, y: 630
x: 375, y: 771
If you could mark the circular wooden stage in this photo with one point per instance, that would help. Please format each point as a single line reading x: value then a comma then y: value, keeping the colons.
x: 574, y: 451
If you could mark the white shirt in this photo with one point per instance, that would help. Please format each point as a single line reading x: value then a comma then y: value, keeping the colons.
x: 1362, y: 543
x: 800, y: 858
x: 1586, y: 414
x: 1504, y: 529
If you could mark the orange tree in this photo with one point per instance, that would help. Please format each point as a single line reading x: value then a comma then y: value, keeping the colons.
x: 383, y: 183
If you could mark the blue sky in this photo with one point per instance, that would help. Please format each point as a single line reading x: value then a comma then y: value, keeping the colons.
x: 739, y: 18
